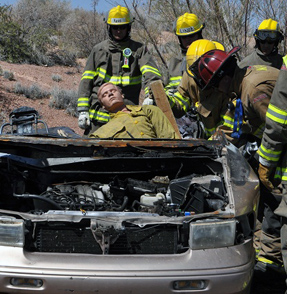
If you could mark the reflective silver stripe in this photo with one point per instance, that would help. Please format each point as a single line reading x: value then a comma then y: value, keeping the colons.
x: 182, y: 101
x: 269, y: 155
x: 276, y: 114
x: 83, y: 102
x: 146, y: 68
x: 99, y: 115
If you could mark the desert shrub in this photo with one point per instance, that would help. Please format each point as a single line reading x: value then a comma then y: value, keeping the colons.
x: 32, y: 92
x: 13, y: 47
x: 62, y: 57
x: 57, y: 78
x: 9, y: 75
x: 64, y: 99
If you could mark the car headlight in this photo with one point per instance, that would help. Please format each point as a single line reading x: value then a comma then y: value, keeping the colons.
x: 11, y: 232
x: 212, y: 234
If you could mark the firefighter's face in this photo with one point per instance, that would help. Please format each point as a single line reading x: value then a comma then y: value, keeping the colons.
x: 187, y: 40
x: 110, y: 97
x: 119, y: 32
x: 266, y: 47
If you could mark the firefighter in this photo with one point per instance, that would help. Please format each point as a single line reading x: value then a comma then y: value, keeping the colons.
x: 267, y: 38
x: 273, y: 155
x: 118, y: 60
x: 188, y: 96
x: 131, y: 121
x: 250, y: 90
x: 188, y: 28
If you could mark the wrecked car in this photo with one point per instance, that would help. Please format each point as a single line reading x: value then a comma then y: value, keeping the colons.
x: 123, y: 216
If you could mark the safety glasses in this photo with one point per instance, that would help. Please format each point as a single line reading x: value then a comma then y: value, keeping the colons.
x: 269, y: 36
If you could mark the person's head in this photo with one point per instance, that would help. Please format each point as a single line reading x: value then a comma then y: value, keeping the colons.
x: 268, y: 36
x: 111, y: 97
x: 119, y: 23
x: 188, y: 28
x: 198, y: 48
x: 215, y: 69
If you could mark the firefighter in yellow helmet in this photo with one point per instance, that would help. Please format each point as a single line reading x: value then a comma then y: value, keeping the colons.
x: 119, y: 60
x: 267, y: 37
x: 188, y: 99
x: 188, y: 29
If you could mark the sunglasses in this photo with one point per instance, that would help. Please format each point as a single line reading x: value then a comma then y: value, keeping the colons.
x: 122, y: 27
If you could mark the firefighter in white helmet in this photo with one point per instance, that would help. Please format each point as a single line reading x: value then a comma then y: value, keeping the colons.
x: 267, y: 37
x: 119, y: 60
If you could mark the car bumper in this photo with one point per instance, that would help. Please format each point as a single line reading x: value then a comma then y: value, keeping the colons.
x: 223, y: 270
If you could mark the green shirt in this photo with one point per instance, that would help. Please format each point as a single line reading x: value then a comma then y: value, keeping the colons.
x: 147, y: 121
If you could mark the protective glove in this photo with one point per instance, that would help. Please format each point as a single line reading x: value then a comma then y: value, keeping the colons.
x: 148, y: 101
x: 148, y: 98
x: 84, y: 120
x: 264, y: 175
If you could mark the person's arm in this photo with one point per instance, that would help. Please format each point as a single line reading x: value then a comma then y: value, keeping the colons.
x: 274, y: 139
x: 186, y: 94
x: 87, y: 81
x: 148, y: 68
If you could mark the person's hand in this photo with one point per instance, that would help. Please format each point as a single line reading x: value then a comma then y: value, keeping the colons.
x: 84, y: 120
x: 264, y: 175
x: 148, y: 101
x: 148, y: 98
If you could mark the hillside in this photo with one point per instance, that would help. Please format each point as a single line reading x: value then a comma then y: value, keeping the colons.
x: 28, y: 75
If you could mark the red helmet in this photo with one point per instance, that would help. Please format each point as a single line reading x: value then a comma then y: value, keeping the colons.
x: 212, y: 66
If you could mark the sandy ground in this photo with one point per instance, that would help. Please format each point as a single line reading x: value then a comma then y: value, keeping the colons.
x: 27, y: 75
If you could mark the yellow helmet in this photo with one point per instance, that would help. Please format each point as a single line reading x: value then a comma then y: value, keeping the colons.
x: 119, y: 16
x: 269, y: 30
x: 198, y: 48
x: 218, y: 46
x: 188, y: 24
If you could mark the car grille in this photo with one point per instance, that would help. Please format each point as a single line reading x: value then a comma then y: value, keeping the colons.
x: 148, y: 240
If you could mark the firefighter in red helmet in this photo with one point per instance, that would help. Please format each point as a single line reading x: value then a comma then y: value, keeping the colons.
x: 249, y: 90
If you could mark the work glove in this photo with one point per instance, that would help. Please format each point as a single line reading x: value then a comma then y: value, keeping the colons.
x: 84, y: 120
x: 148, y: 101
x: 264, y: 176
x: 148, y: 98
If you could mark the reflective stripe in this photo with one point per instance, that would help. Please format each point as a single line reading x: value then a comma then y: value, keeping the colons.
x: 174, y: 82
x: 228, y: 121
x: 269, y: 155
x: 83, y: 102
x: 281, y: 173
x: 89, y: 75
x: 260, y: 67
x: 171, y: 100
x: 285, y: 60
x: 99, y: 115
x: 146, y: 68
x: 276, y: 114
x: 259, y: 132
x: 116, y: 80
x: 184, y: 103
x: 211, y: 131
x: 101, y: 72
x: 265, y: 260
x: 125, y: 80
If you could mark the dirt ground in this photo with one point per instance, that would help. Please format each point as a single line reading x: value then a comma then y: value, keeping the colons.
x: 28, y: 75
